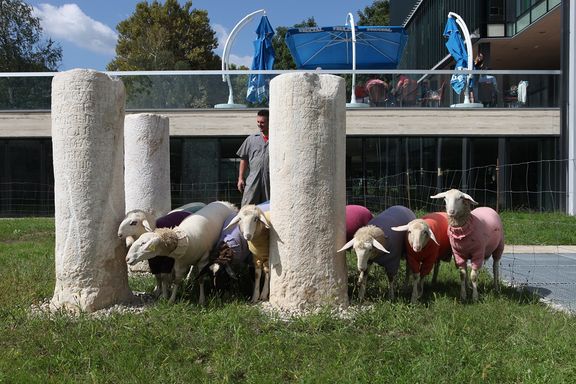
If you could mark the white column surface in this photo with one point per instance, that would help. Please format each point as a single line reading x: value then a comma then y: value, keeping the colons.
x: 307, y: 176
x: 87, y: 139
x: 147, y: 163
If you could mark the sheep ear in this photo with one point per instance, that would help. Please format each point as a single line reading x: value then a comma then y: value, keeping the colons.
x: 376, y: 244
x: 432, y: 236
x: 234, y: 221
x: 147, y: 226
x: 347, y: 245
x: 264, y: 220
x: 439, y: 195
x: 469, y: 198
x: 401, y: 228
x: 151, y: 244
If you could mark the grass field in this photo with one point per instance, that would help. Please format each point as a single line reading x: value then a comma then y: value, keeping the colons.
x: 507, y: 337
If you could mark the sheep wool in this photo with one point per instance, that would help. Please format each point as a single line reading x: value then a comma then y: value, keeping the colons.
x: 394, y: 216
x: 422, y: 262
x: 481, y: 236
x: 357, y: 216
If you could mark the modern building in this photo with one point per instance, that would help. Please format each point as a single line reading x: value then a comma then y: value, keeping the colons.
x: 510, y: 155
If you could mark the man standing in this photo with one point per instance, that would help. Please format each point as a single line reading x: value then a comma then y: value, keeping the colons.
x: 253, y: 155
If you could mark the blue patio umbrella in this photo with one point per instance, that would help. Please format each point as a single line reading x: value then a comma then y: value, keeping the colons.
x: 258, y: 85
x: 457, y: 49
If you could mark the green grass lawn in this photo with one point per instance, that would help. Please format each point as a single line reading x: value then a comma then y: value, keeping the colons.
x: 507, y: 337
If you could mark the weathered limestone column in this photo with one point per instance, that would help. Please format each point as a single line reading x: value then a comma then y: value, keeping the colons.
x: 147, y: 163
x: 87, y: 140
x: 307, y: 181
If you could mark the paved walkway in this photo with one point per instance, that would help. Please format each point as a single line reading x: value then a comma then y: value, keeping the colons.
x: 549, y: 271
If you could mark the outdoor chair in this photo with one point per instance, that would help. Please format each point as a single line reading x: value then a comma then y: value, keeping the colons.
x: 487, y: 93
x: 377, y: 93
x: 433, y: 98
x: 408, y: 93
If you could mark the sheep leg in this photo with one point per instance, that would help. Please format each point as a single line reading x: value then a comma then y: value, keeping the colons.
x: 392, y: 283
x: 257, y: 275
x: 474, y: 279
x: 158, y: 289
x: 201, y: 296
x: 266, y: 287
x: 463, y: 275
x: 415, y: 283
x: 362, y: 283
x: 435, y: 273
x: 496, y: 273
x: 179, y: 274
x: 406, y: 277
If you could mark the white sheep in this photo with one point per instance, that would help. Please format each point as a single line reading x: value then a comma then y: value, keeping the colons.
x: 474, y: 235
x: 254, y: 224
x: 134, y: 224
x: 138, y: 222
x: 377, y: 243
x: 189, y: 243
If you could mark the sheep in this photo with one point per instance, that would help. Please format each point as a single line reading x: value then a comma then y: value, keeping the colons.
x: 190, y: 207
x: 189, y: 243
x: 474, y: 235
x: 136, y: 223
x: 254, y: 224
x: 376, y: 242
x: 357, y: 217
x: 421, y: 253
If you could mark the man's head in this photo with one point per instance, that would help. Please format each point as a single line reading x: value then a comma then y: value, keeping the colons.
x: 262, y: 121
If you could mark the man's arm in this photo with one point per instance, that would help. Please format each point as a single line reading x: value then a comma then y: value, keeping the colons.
x: 241, y: 183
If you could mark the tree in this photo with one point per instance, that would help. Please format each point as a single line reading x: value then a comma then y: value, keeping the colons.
x: 23, y: 50
x: 165, y: 37
x: 376, y: 14
x: 284, y: 58
x: 168, y: 37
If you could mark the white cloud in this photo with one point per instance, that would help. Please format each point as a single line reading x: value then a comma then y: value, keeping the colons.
x: 222, y: 35
x: 69, y: 23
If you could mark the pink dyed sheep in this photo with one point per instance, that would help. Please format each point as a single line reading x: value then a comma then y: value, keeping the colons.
x: 357, y: 216
x: 421, y: 253
x: 474, y: 235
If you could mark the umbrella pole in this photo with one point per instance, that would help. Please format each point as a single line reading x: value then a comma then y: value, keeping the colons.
x: 353, y: 102
x: 226, y: 59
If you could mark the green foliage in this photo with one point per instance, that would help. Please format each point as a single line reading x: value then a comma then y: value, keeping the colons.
x: 376, y: 14
x: 167, y: 36
x: 507, y: 337
x: 23, y: 50
x: 284, y: 60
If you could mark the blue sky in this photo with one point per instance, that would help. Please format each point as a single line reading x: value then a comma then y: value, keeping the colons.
x: 86, y: 29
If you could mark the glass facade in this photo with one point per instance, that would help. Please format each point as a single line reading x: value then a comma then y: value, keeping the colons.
x: 508, y: 173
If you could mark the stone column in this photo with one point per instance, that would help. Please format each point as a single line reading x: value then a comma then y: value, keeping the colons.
x: 147, y: 163
x: 307, y: 181
x: 87, y: 141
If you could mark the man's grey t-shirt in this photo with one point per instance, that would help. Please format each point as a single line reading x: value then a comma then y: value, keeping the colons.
x: 255, y: 150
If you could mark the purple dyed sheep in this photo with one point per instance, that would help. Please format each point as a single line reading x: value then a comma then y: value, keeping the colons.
x: 378, y: 243
x: 474, y: 235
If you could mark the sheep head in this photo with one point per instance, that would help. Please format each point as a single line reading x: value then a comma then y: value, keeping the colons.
x: 250, y: 220
x: 457, y: 202
x: 365, y: 245
x: 150, y: 244
x: 418, y: 234
x: 135, y: 223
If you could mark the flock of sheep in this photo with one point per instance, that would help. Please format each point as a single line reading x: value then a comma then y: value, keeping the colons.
x: 213, y: 238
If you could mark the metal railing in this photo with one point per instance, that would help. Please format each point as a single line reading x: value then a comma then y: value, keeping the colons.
x: 163, y: 90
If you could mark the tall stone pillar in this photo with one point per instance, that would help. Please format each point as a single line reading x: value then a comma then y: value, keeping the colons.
x: 87, y: 140
x: 307, y: 180
x: 147, y: 163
